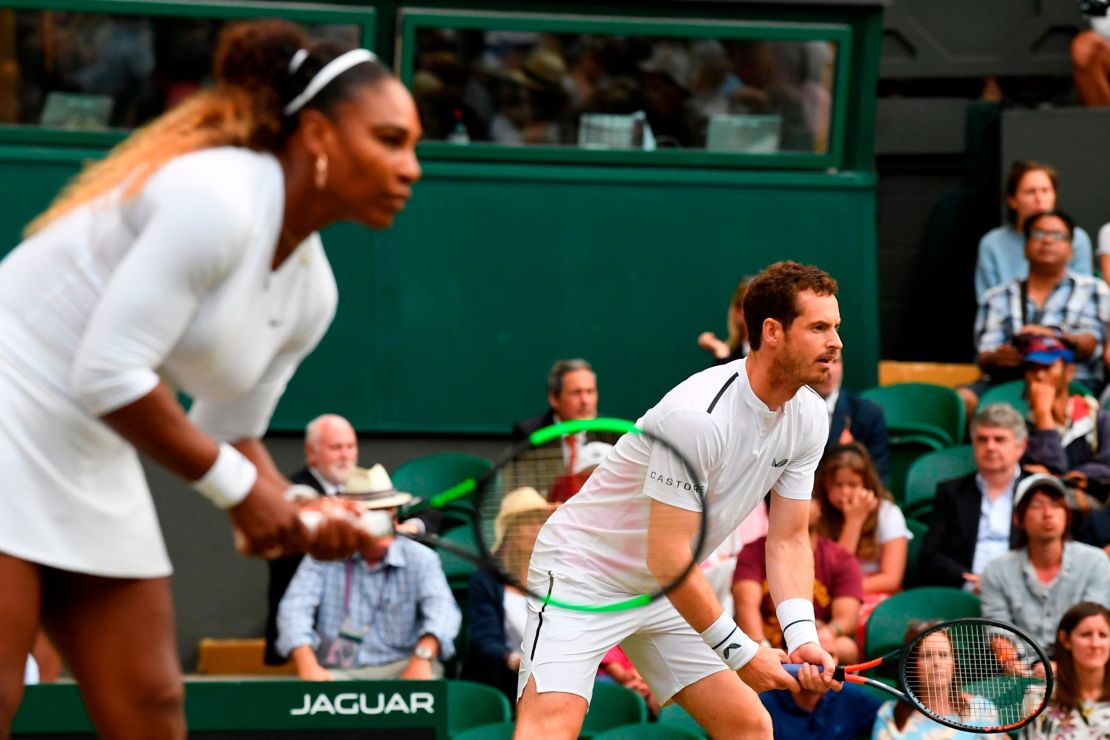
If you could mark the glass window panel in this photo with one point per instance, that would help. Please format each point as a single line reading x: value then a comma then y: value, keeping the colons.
x: 609, y: 91
x: 94, y: 71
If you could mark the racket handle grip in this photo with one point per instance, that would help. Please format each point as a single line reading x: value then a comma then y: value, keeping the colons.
x: 795, y: 668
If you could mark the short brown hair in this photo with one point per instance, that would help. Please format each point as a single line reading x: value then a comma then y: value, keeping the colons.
x: 773, y: 294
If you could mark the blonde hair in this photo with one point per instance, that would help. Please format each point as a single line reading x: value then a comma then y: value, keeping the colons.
x: 244, y: 109
x: 226, y: 116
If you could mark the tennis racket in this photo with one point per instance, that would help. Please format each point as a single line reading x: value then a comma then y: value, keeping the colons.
x: 556, y: 462
x: 977, y: 675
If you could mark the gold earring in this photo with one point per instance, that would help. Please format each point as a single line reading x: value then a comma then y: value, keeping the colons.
x: 321, y: 171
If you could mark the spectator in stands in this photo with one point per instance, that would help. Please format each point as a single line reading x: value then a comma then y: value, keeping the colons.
x: 1080, y: 705
x: 854, y: 419
x: 571, y: 394
x: 1033, y: 586
x: 586, y: 461
x: 720, y: 566
x: 666, y: 81
x: 1052, y: 301
x: 385, y: 613
x: 935, y: 659
x: 541, y: 102
x: 1094, y: 530
x: 971, y: 522
x: 497, y: 612
x: 837, y: 591
x: 860, y: 515
x: 330, y: 454
x: 1030, y: 189
x: 1090, y: 58
x: 834, y: 715
x: 1069, y: 435
x: 735, y: 345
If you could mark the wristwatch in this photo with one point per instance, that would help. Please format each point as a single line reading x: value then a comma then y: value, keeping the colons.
x: 424, y: 653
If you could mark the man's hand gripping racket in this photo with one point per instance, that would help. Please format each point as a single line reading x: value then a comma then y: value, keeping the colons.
x: 976, y: 675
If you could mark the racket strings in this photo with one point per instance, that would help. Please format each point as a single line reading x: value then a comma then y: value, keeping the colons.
x: 544, y: 470
x: 975, y: 675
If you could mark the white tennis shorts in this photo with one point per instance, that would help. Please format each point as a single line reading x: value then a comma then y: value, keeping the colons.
x: 562, y: 648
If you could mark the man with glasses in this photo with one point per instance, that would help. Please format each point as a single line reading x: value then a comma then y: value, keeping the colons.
x: 1051, y: 302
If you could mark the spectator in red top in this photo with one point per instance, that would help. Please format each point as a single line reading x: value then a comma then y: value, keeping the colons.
x: 837, y: 591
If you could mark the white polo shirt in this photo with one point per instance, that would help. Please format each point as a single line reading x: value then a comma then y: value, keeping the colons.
x: 740, y: 450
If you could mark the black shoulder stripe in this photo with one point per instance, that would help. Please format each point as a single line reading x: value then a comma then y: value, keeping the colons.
x: 814, y: 392
x: 721, y: 392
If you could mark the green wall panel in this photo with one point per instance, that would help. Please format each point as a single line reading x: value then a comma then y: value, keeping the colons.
x: 450, y: 321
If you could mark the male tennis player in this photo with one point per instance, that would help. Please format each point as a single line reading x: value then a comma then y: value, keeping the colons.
x: 747, y: 427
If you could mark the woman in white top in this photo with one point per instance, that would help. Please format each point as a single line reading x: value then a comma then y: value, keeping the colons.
x: 188, y: 259
x: 860, y: 515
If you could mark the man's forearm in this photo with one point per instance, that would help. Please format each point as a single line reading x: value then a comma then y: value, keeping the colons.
x: 694, y: 598
x: 790, y: 568
x: 304, y: 658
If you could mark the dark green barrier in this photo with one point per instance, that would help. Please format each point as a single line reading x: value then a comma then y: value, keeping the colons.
x: 266, y: 709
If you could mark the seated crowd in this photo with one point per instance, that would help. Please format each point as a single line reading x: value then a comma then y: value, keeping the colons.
x: 1003, y: 532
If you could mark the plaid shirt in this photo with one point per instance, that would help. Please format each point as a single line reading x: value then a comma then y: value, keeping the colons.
x: 398, y: 600
x: 1079, y: 304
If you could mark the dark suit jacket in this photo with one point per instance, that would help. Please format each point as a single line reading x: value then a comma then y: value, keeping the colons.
x: 488, y: 649
x: 281, y: 573
x: 522, y: 429
x: 864, y: 420
x: 949, y: 547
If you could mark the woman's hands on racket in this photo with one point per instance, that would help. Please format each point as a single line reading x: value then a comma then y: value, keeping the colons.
x: 268, y: 524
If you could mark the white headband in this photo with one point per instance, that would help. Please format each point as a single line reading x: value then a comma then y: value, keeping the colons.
x: 297, y: 60
x: 327, y: 73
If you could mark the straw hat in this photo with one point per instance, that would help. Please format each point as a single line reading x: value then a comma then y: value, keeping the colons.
x: 517, y: 502
x: 373, y: 489
x: 543, y: 69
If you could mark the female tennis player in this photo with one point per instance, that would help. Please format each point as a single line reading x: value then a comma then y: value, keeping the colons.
x: 747, y: 427
x: 188, y: 259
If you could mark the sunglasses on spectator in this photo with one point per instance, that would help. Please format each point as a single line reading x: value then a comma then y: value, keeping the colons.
x: 1056, y: 236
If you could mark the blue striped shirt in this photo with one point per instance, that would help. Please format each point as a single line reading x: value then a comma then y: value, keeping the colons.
x: 398, y: 600
x: 1079, y: 304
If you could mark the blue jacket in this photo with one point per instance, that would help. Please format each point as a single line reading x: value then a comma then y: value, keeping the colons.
x: 864, y: 420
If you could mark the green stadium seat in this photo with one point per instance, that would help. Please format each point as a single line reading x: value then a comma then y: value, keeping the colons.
x: 930, y: 469
x: 612, y: 706
x: 652, y: 731
x: 1013, y: 393
x: 458, y: 569
x: 472, y: 704
x: 913, y: 552
x: 492, y: 731
x: 673, y: 715
x: 905, y: 449
x: 922, y: 408
x: 432, y: 474
x: 887, y: 624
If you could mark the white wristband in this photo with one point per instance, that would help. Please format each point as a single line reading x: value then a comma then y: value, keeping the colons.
x: 798, y: 624
x: 730, y: 642
x: 230, y: 478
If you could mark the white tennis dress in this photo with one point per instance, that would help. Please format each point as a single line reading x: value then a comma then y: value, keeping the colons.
x: 176, y: 284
